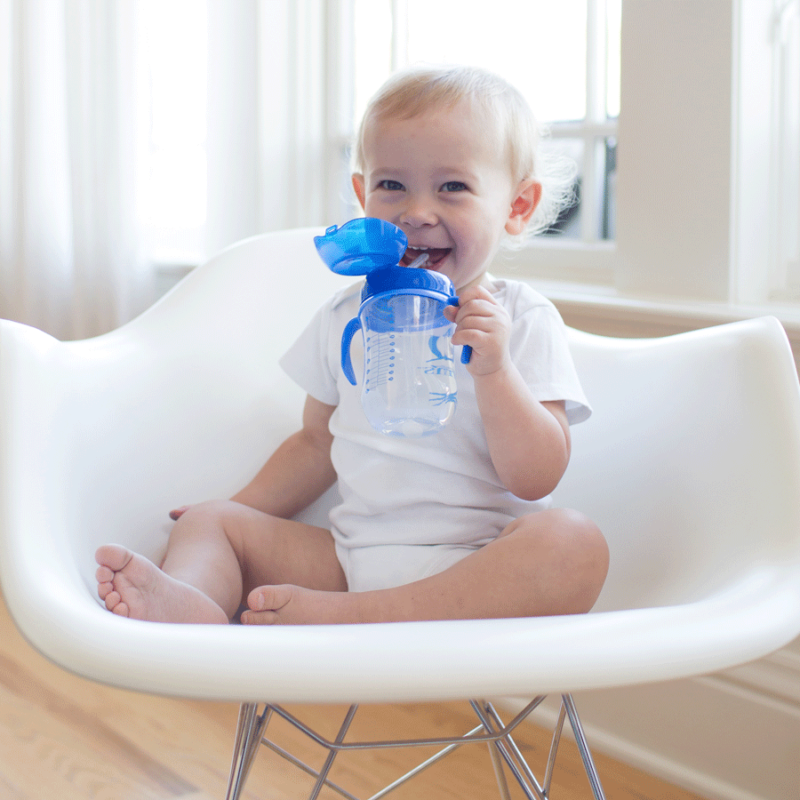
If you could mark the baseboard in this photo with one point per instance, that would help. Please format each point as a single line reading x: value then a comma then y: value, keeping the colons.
x: 712, y: 735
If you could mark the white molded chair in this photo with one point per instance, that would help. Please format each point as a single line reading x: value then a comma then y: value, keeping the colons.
x: 690, y: 465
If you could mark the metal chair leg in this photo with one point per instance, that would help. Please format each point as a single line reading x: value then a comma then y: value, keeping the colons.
x: 507, y: 748
x: 249, y: 731
x: 554, y: 743
x: 326, y: 768
x: 500, y: 776
x: 583, y: 747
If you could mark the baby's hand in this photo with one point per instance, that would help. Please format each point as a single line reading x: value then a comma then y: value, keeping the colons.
x: 485, y: 326
x: 177, y: 513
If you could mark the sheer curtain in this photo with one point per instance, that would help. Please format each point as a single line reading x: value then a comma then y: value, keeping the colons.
x: 279, y: 113
x: 73, y: 255
x: 70, y: 256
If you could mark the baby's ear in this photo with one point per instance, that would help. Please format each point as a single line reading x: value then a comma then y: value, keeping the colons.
x: 527, y: 197
x: 358, y: 185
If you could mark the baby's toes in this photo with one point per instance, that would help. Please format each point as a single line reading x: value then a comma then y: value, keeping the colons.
x: 104, y: 589
x: 114, y: 603
x: 121, y: 610
x: 260, y: 618
x: 269, y: 598
x: 113, y: 556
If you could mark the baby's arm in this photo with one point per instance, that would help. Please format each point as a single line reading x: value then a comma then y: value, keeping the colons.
x: 299, y: 471
x: 529, y: 441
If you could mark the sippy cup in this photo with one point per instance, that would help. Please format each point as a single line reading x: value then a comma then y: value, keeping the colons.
x: 409, y: 386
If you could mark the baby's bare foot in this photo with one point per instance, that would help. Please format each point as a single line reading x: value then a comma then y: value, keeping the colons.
x: 132, y: 586
x: 294, y: 605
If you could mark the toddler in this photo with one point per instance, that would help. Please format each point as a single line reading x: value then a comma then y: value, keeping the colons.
x: 456, y: 525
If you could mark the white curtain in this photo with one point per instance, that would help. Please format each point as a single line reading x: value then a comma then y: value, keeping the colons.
x: 70, y: 260
x: 279, y: 100
x: 73, y: 259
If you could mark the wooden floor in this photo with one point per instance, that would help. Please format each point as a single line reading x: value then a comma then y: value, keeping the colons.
x: 66, y: 738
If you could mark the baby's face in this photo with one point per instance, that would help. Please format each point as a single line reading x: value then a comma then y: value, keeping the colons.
x: 442, y: 178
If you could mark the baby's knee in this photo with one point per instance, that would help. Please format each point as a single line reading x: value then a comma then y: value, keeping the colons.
x: 584, y: 532
x: 214, y: 518
x: 569, y: 531
x: 576, y: 552
x: 577, y: 524
x: 207, y: 511
x: 587, y: 549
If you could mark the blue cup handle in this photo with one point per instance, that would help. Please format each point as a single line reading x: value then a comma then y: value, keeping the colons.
x: 466, y: 350
x: 347, y: 337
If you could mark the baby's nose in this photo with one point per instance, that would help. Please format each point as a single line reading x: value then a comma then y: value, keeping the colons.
x: 419, y: 213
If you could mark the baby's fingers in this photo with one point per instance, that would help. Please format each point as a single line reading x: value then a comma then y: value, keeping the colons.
x: 177, y: 513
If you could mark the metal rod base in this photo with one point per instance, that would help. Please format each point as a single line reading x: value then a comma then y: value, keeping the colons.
x: 492, y: 731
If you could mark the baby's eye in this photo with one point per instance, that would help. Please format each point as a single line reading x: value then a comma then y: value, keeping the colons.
x: 454, y: 186
x: 391, y: 186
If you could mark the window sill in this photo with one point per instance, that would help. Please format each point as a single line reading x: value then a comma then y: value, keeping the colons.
x: 560, y: 260
x: 601, y: 310
x: 598, y: 308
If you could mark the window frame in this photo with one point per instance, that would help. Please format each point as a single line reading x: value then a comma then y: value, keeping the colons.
x: 715, y: 259
x: 785, y: 174
x: 586, y: 259
x: 684, y: 245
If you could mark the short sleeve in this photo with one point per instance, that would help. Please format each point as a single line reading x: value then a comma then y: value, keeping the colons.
x: 307, y: 361
x: 540, y: 350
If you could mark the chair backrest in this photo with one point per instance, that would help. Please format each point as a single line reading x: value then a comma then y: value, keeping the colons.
x: 690, y: 459
x: 185, y: 402
x: 104, y: 436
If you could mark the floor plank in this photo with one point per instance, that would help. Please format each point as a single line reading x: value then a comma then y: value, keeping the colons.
x: 68, y: 738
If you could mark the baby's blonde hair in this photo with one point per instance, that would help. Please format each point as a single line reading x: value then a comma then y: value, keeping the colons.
x: 415, y: 90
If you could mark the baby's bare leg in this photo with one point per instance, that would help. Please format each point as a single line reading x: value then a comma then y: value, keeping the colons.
x: 217, y: 553
x: 553, y: 562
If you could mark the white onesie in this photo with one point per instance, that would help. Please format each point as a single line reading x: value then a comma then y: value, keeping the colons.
x: 412, y: 507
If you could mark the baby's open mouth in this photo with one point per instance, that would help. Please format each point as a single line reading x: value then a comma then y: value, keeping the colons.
x: 435, y: 256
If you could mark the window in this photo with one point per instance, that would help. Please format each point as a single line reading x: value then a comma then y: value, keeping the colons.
x: 786, y: 164
x: 578, y: 100
x: 564, y: 57
x: 702, y: 206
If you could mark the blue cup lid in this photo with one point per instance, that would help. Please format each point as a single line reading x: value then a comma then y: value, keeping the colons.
x: 408, y: 280
x: 361, y: 245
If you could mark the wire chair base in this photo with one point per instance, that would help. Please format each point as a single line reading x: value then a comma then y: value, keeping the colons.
x: 491, y: 731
